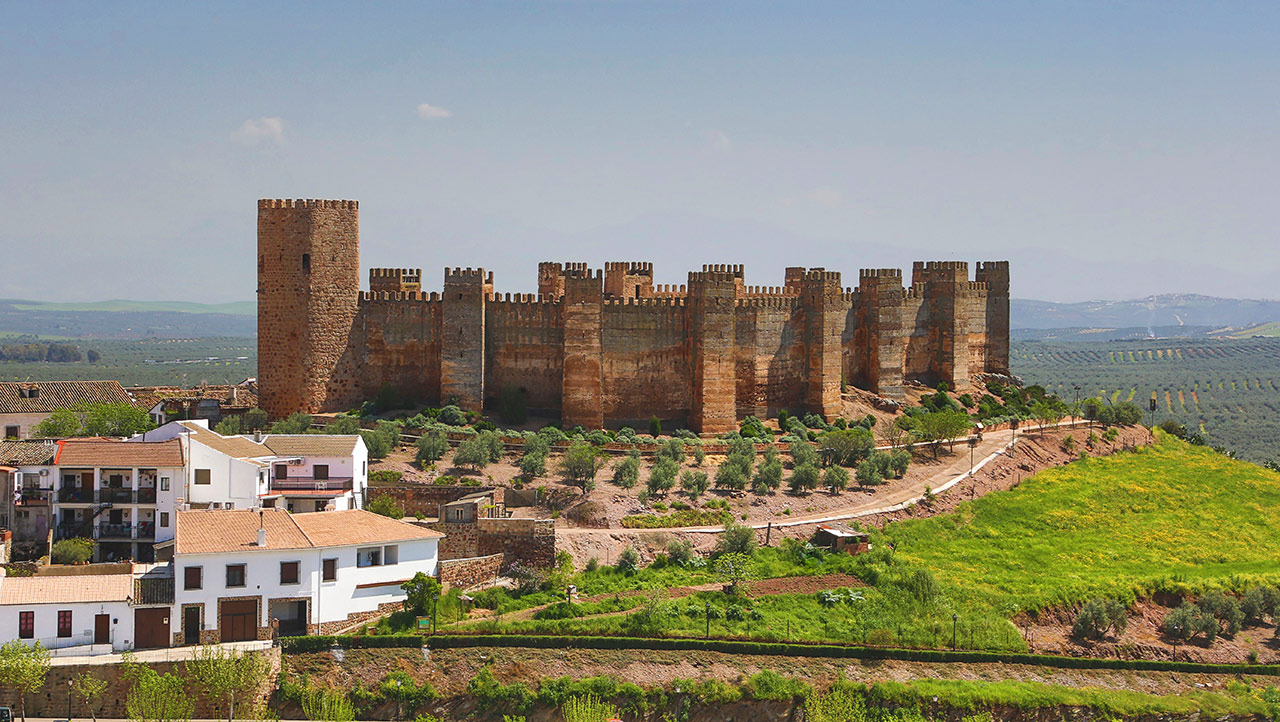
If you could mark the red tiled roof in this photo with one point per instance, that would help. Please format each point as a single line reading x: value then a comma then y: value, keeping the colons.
x: 125, y: 454
x: 54, y: 395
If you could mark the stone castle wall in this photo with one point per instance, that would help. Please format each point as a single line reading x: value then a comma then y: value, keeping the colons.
x: 607, y: 347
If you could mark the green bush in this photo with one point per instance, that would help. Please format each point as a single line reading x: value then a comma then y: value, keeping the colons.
x: 385, y: 476
x: 71, y: 551
x: 431, y: 446
x: 386, y: 506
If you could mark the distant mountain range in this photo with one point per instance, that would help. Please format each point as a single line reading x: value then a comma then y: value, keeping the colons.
x: 1172, y: 309
x: 1174, y: 314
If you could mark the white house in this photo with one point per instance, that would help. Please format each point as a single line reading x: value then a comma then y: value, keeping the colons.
x: 83, y: 613
x: 123, y: 495
x: 236, y: 571
x: 26, y: 478
x: 300, y: 473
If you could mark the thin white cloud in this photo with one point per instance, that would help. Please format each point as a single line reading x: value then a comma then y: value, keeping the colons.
x: 426, y: 111
x: 720, y: 141
x: 255, y: 131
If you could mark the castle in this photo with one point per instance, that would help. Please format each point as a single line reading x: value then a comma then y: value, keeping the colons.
x: 606, y: 348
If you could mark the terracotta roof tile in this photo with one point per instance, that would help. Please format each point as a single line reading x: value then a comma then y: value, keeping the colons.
x: 54, y: 395
x: 216, y: 531
x: 66, y: 589
x: 237, y: 447
x: 95, y: 452
x: 26, y: 452
x: 311, y: 444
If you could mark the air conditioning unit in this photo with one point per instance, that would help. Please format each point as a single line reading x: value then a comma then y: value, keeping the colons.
x: 215, y: 505
x: 295, y: 462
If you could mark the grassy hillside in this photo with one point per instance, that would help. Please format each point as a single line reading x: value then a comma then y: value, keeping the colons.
x: 1167, y: 517
x: 145, y: 362
x: 238, y: 308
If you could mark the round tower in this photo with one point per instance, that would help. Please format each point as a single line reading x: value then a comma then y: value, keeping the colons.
x: 308, y: 290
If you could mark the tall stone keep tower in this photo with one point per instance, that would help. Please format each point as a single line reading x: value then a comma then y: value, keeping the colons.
x: 308, y: 289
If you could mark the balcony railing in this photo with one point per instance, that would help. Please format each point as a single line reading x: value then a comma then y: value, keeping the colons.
x: 75, y: 495
x: 107, y: 530
x: 146, y: 530
x: 71, y: 531
x: 307, y: 483
x: 35, y: 496
x: 115, y: 496
x: 147, y: 495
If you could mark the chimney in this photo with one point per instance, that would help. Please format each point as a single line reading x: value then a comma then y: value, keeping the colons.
x: 257, y: 436
x: 262, y: 532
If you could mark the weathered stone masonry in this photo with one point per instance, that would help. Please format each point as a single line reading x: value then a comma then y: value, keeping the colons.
x: 606, y: 348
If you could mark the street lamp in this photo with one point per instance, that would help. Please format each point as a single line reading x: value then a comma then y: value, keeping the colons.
x: 708, y: 615
x: 69, y: 689
x: 1076, y: 408
x: 973, y: 443
x: 953, y: 631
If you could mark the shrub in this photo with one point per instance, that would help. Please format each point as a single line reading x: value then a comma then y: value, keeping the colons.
x: 452, y: 416
x: 1097, y: 617
x: 386, y: 506
x: 769, y: 473
x: 473, y: 452
x: 836, y: 478
x: 699, y: 455
x: 626, y: 472
x: 802, y: 452
x: 71, y: 551
x: 343, y: 425
x: 694, y: 483
x: 736, y: 539
x: 580, y: 465
x: 432, y: 446
x: 680, y: 551
x: 655, y: 427
x: 868, y: 474
x: 732, y: 475
x: 662, y: 477
x: 628, y: 561
x: 804, y: 478
x: 672, y: 449
x: 846, y: 447
x: 899, y: 460
x: 385, y: 476
x: 533, y: 463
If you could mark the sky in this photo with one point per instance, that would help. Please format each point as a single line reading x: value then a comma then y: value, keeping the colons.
x: 1108, y: 150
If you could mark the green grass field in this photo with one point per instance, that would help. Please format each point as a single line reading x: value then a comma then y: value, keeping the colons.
x: 1169, y: 518
x: 146, y: 362
x: 1172, y: 516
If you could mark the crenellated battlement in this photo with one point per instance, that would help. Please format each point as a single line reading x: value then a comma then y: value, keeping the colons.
x: 779, y: 301
x: 715, y: 276
x: 305, y: 203
x: 468, y: 275
x: 819, y: 274
x: 634, y: 268
x: 651, y: 302
x: 733, y: 269
x: 669, y: 289
x: 885, y: 273
x: 769, y: 292
x: 398, y: 296
x: 397, y: 273
x: 583, y: 273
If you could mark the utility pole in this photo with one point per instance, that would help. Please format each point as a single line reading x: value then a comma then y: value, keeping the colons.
x: 708, y: 615
x: 953, y: 631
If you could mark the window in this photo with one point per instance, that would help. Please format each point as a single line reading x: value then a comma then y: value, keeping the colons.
x: 329, y: 570
x: 11, y: 432
x: 115, y: 481
x: 288, y: 572
x: 369, y: 557
x: 164, y: 483
x: 365, y: 468
x: 193, y: 578
x: 391, y: 554
x: 164, y: 520
x: 235, y: 575
x: 64, y: 622
x: 26, y: 625
x: 282, y: 471
x: 306, y: 262
x: 202, y: 476
x: 320, y: 472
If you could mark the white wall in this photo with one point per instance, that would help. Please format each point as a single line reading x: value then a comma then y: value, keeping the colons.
x: 230, y: 480
x: 329, y: 601
x: 24, y: 422
x: 82, y: 614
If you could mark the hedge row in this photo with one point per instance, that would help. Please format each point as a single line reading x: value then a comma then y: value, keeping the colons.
x: 320, y: 643
x: 451, y: 641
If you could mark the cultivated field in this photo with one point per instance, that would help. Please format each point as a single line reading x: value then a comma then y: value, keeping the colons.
x: 146, y: 362
x: 1227, y: 389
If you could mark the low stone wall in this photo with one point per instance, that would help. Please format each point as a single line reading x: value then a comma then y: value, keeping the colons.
x: 424, y: 499
x: 51, y: 700
x: 528, y: 541
x: 469, y: 572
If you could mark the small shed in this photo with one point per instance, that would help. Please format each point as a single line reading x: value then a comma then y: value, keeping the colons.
x: 842, y: 538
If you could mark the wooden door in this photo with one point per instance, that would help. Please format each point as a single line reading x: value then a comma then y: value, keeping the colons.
x: 102, y: 629
x: 151, y: 627
x: 239, y: 621
x: 191, y: 625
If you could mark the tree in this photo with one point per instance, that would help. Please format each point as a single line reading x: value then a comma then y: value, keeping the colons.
x: 226, y: 675
x: 868, y: 474
x: 588, y: 709
x: 71, y: 551
x: 939, y: 426
x: 23, y: 669
x: 420, y: 592
x: 229, y: 426
x: 343, y: 425
x: 1188, y: 621
x: 845, y: 447
x: 472, y: 452
x: 694, y: 483
x: 253, y: 419
x: 680, y: 551
x: 386, y: 506
x: 296, y: 423
x: 662, y: 477
x: 93, y: 357
x: 895, y: 435
x: 899, y: 460
x: 452, y: 416
x: 514, y: 407
x: 580, y: 465
x: 1098, y: 616
x: 769, y: 473
x: 627, y: 472
x: 628, y: 561
x: 672, y: 449
x: 533, y: 462
x: 432, y: 446
x: 804, y: 478
x: 836, y: 478
x: 60, y: 424
x: 802, y: 452
x: 155, y: 697
x: 655, y: 426
x: 736, y: 538
x: 699, y: 454
x: 731, y: 475
x: 376, y: 444
x: 89, y: 688
x: 492, y: 444
x: 734, y: 568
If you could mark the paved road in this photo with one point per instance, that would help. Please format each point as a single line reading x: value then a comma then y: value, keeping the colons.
x: 956, y: 469
x: 175, y: 654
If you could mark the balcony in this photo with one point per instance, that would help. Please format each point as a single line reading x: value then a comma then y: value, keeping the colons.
x: 75, y: 495
x: 115, y: 495
x: 72, y: 530
x: 307, y: 483
x: 107, y: 530
x: 31, y: 496
x: 146, y: 530
x: 147, y: 495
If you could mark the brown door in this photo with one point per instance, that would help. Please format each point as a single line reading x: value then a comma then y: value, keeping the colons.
x: 238, y: 621
x: 102, y: 629
x: 151, y: 628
